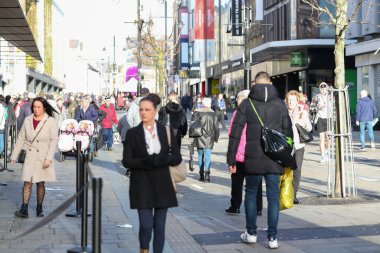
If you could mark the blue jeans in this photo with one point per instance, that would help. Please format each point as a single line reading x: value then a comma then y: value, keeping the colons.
x: 152, y: 219
x: 107, y: 137
x: 1, y: 143
x: 273, y: 192
x: 204, y: 160
x: 363, y: 126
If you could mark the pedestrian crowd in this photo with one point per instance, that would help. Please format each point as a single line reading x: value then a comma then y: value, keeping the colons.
x: 146, y: 129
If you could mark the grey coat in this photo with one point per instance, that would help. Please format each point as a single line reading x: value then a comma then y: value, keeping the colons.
x: 43, y: 148
x: 123, y: 127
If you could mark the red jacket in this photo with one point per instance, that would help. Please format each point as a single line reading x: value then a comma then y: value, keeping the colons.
x: 110, y: 117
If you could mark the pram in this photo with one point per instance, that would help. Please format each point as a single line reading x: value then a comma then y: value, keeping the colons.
x: 70, y: 132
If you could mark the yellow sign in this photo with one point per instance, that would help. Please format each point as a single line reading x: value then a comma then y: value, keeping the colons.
x: 183, y: 74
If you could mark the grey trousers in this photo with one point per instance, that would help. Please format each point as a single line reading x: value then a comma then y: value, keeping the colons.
x: 297, y: 172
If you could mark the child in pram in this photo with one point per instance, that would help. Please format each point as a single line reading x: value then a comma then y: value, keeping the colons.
x: 84, y: 134
x: 66, y: 135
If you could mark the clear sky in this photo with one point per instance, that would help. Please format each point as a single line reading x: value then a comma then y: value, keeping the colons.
x: 95, y: 22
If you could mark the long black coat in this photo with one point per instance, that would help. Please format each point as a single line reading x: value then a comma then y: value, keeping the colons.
x: 274, y: 115
x: 150, y: 187
x: 177, y: 119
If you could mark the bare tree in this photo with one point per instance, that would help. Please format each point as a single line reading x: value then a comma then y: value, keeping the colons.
x: 341, y: 19
x: 152, y: 51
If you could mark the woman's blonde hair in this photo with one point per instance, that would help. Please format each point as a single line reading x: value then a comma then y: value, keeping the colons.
x: 293, y: 93
x: 242, y: 95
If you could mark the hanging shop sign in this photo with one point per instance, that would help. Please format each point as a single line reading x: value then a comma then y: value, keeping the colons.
x: 237, y: 18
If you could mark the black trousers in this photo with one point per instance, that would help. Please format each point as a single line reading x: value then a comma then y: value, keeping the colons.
x: 237, y: 180
x: 152, y: 219
x: 220, y: 117
x: 297, y: 173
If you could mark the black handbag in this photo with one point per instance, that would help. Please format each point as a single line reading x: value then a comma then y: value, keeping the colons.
x: 305, y: 136
x: 21, y: 156
x: 195, y: 129
x: 277, y: 146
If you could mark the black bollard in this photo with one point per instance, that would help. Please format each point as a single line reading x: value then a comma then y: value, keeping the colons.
x: 97, y: 184
x: 83, y: 248
x: 79, y: 185
x: 6, y: 132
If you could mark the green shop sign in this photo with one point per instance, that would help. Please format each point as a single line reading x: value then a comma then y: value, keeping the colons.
x: 298, y: 59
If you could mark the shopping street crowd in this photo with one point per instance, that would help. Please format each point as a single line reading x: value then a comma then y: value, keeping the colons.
x: 147, y: 128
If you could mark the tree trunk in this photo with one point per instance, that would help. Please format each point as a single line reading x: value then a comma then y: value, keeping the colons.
x: 341, y: 22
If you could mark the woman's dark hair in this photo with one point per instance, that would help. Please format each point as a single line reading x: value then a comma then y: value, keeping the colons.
x: 153, y: 98
x: 48, y: 108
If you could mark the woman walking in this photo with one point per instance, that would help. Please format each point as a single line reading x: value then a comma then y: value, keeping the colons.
x: 148, y: 156
x: 298, y: 115
x: 205, y: 143
x: 38, y: 137
x: 237, y: 178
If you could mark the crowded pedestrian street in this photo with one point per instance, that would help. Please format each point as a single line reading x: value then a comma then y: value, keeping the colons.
x: 199, y: 223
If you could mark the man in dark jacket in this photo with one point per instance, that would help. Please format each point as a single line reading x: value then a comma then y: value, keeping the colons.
x: 366, y: 112
x: 25, y: 110
x: 205, y: 143
x: 174, y: 115
x: 274, y: 115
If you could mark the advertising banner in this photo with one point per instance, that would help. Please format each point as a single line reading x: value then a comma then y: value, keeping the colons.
x: 199, y: 11
x: 210, y: 9
x: 237, y: 18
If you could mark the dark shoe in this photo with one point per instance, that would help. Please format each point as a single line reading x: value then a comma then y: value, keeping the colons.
x: 232, y: 210
x: 202, y: 177
x: 207, y: 177
x: 259, y: 212
x: 296, y: 201
x: 40, y: 211
x: 109, y: 149
x: 128, y: 172
x: 23, y: 212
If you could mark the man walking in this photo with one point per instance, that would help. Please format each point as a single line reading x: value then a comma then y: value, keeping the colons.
x: 264, y: 97
x: 219, y: 107
x: 319, y: 107
x: 133, y: 116
x: 366, y: 112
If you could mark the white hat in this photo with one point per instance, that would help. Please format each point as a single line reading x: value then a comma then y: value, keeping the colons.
x: 206, y: 102
x: 31, y: 95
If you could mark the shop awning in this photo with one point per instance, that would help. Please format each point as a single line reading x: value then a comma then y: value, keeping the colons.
x: 14, y: 28
x: 280, y: 50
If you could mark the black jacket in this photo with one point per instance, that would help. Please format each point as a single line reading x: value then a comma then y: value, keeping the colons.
x: 274, y: 115
x: 177, y: 117
x: 210, y: 126
x: 150, y: 182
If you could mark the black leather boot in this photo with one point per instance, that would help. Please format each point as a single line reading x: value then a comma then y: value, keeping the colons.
x: 40, y: 211
x: 202, y: 177
x: 23, y: 212
x: 207, y: 177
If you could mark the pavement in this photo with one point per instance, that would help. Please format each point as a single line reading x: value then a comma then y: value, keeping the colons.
x: 200, y: 224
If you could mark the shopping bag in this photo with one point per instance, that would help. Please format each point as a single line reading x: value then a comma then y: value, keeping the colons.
x: 286, y: 190
x: 305, y: 136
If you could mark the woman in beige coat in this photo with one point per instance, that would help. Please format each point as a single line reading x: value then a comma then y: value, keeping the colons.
x: 38, y: 166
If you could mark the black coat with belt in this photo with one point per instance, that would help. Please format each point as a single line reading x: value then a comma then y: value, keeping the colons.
x: 150, y: 185
x: 274, y: 114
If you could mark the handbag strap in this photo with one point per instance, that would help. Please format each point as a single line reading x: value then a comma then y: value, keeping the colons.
x: 254, y: 108
x: 38, y: 132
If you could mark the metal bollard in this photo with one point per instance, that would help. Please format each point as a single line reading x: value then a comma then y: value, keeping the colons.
x: 83, y: 248
x: 6, y: 132
x: 79, y: 185
x: 97, y: 185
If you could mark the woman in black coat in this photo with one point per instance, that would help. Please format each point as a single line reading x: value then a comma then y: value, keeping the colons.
x: 148, y: 156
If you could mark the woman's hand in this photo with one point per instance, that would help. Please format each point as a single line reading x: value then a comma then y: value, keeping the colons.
x: 47, y: 163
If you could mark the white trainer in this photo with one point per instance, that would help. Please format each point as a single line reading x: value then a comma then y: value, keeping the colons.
x: 247, y: 238
x: 273, y: 244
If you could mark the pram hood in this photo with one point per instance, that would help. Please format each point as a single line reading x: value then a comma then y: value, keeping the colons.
x: 67, y: 122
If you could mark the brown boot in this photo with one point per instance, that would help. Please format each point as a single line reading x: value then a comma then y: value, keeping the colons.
x: 144, y: 251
